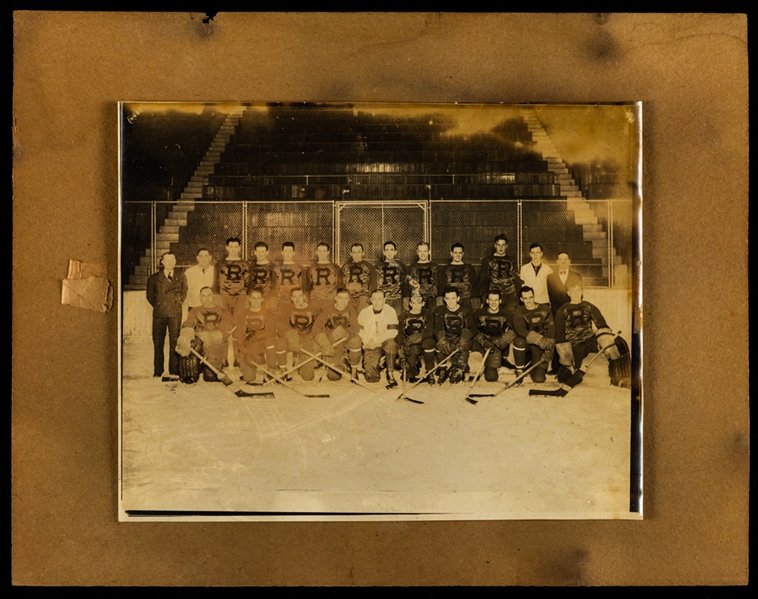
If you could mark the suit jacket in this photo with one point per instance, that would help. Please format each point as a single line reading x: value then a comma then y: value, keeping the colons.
x: 166, y: 297
x: 558, y: 291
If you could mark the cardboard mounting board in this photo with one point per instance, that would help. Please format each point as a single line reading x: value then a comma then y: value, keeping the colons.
x: 690, y: 71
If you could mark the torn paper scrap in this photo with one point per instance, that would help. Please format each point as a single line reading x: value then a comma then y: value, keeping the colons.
x: 81, y: 270
x: 87, y: 286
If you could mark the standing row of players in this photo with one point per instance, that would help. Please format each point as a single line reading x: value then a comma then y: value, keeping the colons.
x: 386, y: 316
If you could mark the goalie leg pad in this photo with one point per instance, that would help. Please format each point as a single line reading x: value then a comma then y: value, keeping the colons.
x: 620, y: 370
x: 189, y: 369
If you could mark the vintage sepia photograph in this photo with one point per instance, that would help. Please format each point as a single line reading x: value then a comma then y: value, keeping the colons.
x: 376, y: 311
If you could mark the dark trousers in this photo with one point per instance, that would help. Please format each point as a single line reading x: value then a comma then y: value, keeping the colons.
x: 160, y: 325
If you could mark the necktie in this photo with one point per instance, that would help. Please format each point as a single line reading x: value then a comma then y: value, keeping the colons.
x: 170, y: 277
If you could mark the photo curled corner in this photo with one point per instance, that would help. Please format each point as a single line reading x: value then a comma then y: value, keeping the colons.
x: 87, y: 286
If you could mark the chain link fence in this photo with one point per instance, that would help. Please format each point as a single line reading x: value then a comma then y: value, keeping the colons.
x: 597, y: 234
x: 372, y: 224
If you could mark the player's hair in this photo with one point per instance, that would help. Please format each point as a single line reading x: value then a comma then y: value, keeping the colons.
x: 202, y: 249
x: 579, y: 285
x: 451, y: 289
x: 536, y: 245
x: 288, y: 244
x: 526, y: 289
x: 457, y: 244
x: 232, y: 240
x: 392, y: 243
x: 341, y: 290
x: 567, y: 255
x: 261, y: 244
x: 379, y: 291
x: 324, y: 244
x: 495, y: 292
x: 501, y: 237
x: 356, y: 245
x: 426, y: 243
x: 295, y: 289
x: 204, y: 288
x: 164, y: 254
x: 255, y: 290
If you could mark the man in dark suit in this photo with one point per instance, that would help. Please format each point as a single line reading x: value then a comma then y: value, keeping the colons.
x: 559, y: 282
x: 166, y: 291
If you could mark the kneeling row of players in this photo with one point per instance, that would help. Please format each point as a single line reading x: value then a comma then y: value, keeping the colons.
x: 257, y: 339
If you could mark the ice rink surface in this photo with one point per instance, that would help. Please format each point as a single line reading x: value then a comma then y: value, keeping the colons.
x: 199, y: 448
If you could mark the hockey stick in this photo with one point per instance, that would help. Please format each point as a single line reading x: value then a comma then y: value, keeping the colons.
x: 423, y: 378
x: 283, y: 382
x: 335, y: 369
x: 227, y: 381
x: 509, y: 385
x: 572, y: 381
x: 476, y: 377
x: 294, y: 368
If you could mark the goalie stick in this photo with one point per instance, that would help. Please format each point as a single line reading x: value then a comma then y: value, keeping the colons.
x: 423, y: 378
x: 227, y: 381
x: 572, y: 381
x: 508, y: 386
x: 476, y: 377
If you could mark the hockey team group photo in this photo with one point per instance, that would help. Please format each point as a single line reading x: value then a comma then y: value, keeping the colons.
x: 336, y: 310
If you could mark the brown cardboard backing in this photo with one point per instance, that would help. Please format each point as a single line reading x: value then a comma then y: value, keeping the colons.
x: 691, y: 73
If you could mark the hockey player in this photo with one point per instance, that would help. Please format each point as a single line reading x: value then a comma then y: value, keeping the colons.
x: 378, y: 329
x: 324, y: 278
x: 255, y: 329
x: 499, y: 273
x: 233, y: 277
x: 453, y: 330
x: 359, y: 278
x: 166, y: 291
x: 416, y: 338
x: 423, y: 274
x: 333, y: 324
x: 460, y: 275
x: 535, y: 327
x: 390, y: 277
x: 296, y: 321
x: 205, y: 330
x: 580, y: 329
x: 263, y: 276
x: 494, y: 333
x: 534, y: 274
x: 289, y: 276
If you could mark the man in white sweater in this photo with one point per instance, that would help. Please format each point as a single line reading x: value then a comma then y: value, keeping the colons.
x: 378, y: 329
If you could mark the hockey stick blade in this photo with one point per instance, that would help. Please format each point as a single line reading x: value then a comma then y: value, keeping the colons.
x: 548, y: 392
x: 243, y: 393
x: 472, y: 401
x: 413, y: 400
